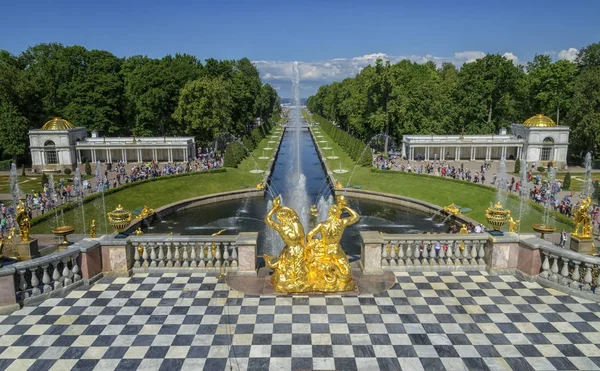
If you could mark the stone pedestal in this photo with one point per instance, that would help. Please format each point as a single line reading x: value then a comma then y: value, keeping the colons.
x: 370, y: 257
x: 28, y: 250
x: 583, y: 245
x: 246, y: 245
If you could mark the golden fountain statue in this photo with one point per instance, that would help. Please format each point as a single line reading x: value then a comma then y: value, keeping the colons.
x: 338, y: 185
x: 583, y: 220
x: 139, y: 232
x: 146, y: 212
x: 497, y: 216
x: 93, y: 229
x: 23, y: 221
x: 452, y: 209
x: 119, y: 219
x: 513, y: 225
x: 260, y: 185
x: 309, y: 264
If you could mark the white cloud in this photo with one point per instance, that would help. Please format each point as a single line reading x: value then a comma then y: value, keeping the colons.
x: 468, y: 56
x: 512, y: 57
x: 568, y: 54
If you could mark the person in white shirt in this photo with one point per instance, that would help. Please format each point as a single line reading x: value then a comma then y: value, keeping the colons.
x: 478, y: 228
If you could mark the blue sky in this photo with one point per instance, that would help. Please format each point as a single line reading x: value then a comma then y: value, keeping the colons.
x: 333, y: 39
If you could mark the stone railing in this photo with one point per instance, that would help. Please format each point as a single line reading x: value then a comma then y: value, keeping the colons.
x: 48, y: 276
x: 564, y: 269
x: 434, y: 252
x: 213, y: 253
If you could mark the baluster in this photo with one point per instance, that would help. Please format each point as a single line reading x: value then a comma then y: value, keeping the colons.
x: 442, y: 253
x: 56, y: 277
x: 193, y: 255
x: 482, y: 252
x: 145, y: 256
x: 218, y: 255
x: 575, y: 275
x: 169, y: 257
x: 185, y: 257
x: 384, y: 255
x: 554, y: 269
x: 417, y: 254
x: 474, y: 253
x: 409, y: 253
x: 449, y: 254
x: 465, y: 254
x: 202, y: 258
x: 425, y: 254
x: 209, y: 258
x: 587, y: 279
x: 393, y: 257
x: 458, y: 252
x: 401, y: 252
x: 136, y: 257
x: 23, y: 285
x: 564, y: 272
x: 66, y: 273
x: 75, y: 269
x: 226, y: 248
x: 153, y: 256
x: 176, y: 255
x: 35, y: 282
x: 46, y: 279
x: 234, y: 255
x: 545, y: 266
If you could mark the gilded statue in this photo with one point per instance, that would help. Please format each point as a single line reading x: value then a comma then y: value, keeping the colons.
x: 289, y: 271
x: 338, y: 185
x: 463, y: 230
x: 329, y: 268
x: 310, y: 264
x: 23, y: 222
x: 260, y: 185
x: 513, y: 225
x: 146, y: 212
x: 139, y: 232
x: 583, y: 220
x: 93, y: 229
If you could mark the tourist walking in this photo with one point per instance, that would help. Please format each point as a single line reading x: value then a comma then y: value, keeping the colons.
x: 563, y: 238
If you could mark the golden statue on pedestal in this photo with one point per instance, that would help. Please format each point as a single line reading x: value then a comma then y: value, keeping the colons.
x: 583, y: 228
x: 93, y: 229
x: 513, y: 225
x: 311, y: 265
x: 23, y: 222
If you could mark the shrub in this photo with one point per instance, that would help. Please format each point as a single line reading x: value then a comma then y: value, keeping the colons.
x: 44, y: 179
x: 567, y: 181
x: 541, y: 169
x: 596, y: 194
x: 366, y: 158
x: 234, y: 154
x: 67, y: 171
x: 88, y: 168
x: 518, y: 165
x: 5, y: 165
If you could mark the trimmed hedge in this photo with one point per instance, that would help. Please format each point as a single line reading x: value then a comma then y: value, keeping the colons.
x: 555, y: 215
x: 5, y: 165
x: 234, y: 154
x: 92, y: 197
x: 352, y: 146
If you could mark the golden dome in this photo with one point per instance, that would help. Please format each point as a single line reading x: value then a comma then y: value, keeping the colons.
x: 539, y: 120
x: 58, y: 124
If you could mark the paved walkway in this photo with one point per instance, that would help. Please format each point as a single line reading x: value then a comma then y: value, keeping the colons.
x: 432, y: 321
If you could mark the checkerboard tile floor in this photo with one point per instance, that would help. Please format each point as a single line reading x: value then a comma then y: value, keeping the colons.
x: 431, y: 321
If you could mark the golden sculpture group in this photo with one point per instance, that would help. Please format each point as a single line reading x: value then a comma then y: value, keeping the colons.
x: 23, y: 222
x: 307, y: 264
x: 583, y: 220
x: 452, y: 209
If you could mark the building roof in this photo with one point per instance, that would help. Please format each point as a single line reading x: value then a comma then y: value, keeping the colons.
x: 539, y: 120
x: 57, y: 124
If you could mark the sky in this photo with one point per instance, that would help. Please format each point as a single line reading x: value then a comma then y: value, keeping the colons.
x: 331, y: 39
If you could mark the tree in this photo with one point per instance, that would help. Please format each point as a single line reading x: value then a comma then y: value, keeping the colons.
x: 205, y: 108
x: 589, y: 56
x: 517, y: 165
x: 88, y: 168
x: 485, y: 92
x: 13, y: 130
x: 585, y: 112
x: 567, y: 181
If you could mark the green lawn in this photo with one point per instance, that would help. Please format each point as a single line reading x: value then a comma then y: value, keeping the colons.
x: 162, y: 192
x: 33, y: 183
x: 427, y: 188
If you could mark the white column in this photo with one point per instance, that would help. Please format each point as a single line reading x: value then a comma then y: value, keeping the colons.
x: 426, y: 153
x: 108, y: 155
x: 411, y: 156
x: 488, y: 153
x: 472, y: 153
x: 403, y: 149
x: 170, y: 154
x: 185, y: 154
x: 125, y: 156
x: 79, y: 157
x: 457, y: 154
x: 442, y: 153
x: 93, y: 155
x: 139, y: 153
x: 154, y: 156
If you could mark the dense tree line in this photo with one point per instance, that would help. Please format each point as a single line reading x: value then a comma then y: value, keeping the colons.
x: 480, y: 97
x: 174, y: 95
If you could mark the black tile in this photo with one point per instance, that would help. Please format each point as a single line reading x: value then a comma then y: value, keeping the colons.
x: 528, y: 350
x: 131, y: 329
x: 405, y: 351
x: 283, y: 309
x: 222, y: 339
x: 25, y: 340
x: 33, y: 352
x: 357, y: 328
x: 341, y: 339
x: 104, y: 341
x: 143, y: 340
x: 262, y: 339
x: 198, y: 352
x: 194, y: 319
x: 477, y: 364
x: 519, y: 363
x: 340, y: 364
x: 388, y: 364
x: 395, y: 328
x: 570, y: 350
x: 207, y: 329
x: 263, y: 318
x: 432, y: 364
x: 301, y: 339
x: 446, y: 351
x: 72, y: 353
x: 219, y: 364
x: 508, y: 328
x: 115, y: 353
x: 583, y: 327
x: 239, y: 351
x: 307, y: 364
x: 538, y: 339
x: 157, y: 352
x: 282, y: 328
x: 409, y: 318
x: 300, y: 318
x: 459, y: 339
x: 576, y: 338
x: 360, y: 351
x: 336, y: 318
x: 319, y: 328
x: 281, y: 350
x: 487, y: 351
x: 380, y: 339
x: 498, y: 339
x: 46, y: 364
x: 171, y: 364
x: 433, y: 328
x: 352, y: 309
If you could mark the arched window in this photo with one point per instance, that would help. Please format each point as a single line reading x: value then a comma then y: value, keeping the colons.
x: 50, y: 152
x: 547, y: 149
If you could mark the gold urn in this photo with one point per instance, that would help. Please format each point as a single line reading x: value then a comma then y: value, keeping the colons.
x: 497, y: 216
x: 119, y: 219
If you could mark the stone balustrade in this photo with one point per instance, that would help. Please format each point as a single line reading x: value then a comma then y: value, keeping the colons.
x: 566, y: 270
x: 217, y: 253
x: 433, y: 252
